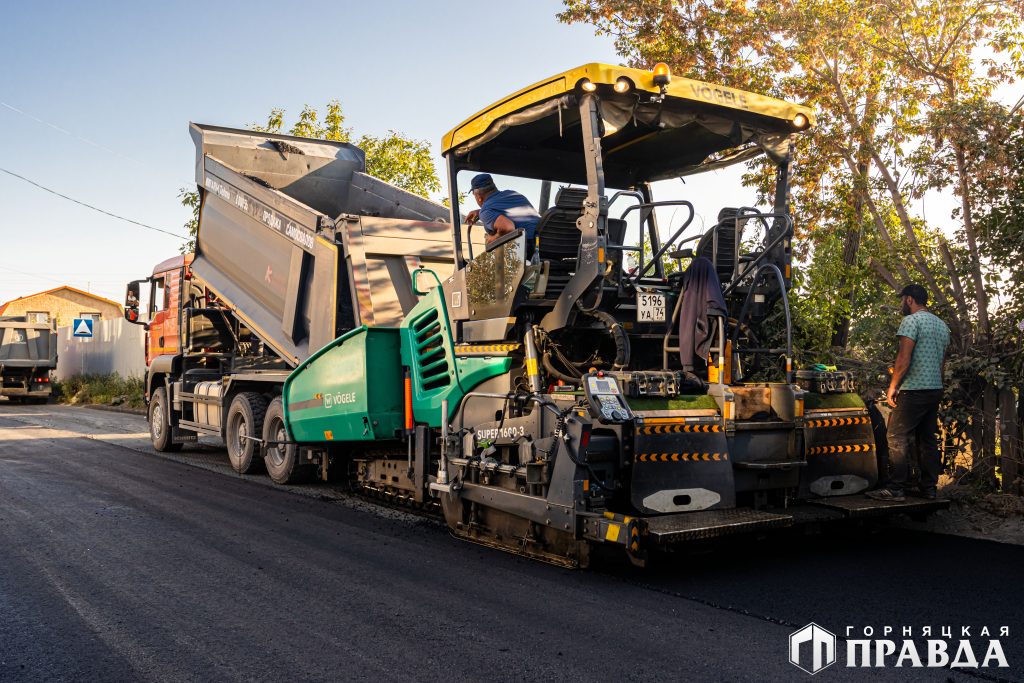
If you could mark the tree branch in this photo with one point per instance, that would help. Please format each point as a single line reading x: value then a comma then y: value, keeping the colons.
x: 884, y: 273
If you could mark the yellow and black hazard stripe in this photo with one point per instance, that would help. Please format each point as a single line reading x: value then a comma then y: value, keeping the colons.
x: 681, y: 457
x: 706, y: 428
x: 837, y: 422
x: 838, y: 449
x: 622, y: 529
x: 486, y: 349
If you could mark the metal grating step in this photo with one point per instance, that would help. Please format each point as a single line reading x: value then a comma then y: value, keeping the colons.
x: 861, y: 506
x: 689, y: 526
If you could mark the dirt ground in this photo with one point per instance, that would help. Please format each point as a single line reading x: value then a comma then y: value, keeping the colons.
x: 991, y: 516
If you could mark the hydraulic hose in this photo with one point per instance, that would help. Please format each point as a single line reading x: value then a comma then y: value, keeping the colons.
x: 551, y: 370
x: 619, y: 335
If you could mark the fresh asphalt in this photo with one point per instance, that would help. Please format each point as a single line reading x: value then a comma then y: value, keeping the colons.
x: 119, y: 564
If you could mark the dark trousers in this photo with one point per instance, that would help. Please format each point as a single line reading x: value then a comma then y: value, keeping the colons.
x: 916, y: 413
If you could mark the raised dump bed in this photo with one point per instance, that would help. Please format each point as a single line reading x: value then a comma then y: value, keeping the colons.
x: 302, y: 245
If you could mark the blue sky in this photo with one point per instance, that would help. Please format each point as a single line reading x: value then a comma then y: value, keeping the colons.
x: 104, y: 92
x: 125, y: 78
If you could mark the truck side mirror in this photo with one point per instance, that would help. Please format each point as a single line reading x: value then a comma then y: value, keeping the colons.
x: 131, y: 303
x: 131, y: 297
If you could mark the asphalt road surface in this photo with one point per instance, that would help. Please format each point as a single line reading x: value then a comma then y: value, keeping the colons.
x: 118, y: 564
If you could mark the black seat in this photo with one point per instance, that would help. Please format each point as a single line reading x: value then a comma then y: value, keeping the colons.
x: 558, y: 238
x: 721, y: 243
x: 616, y: 231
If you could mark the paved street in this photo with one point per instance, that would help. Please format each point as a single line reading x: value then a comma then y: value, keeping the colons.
x: 118, y: 564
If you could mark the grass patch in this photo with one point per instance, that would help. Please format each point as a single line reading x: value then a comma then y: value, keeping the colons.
x: 696, y: 402
x: 111, y: 390
x: 832, y: 401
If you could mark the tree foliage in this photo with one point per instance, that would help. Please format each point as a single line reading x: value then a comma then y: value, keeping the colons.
x: 903, y: 93
x: 395, y: 157
x: 190, y: 200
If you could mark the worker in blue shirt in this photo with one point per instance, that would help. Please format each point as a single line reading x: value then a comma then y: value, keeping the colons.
x: 501, y: 211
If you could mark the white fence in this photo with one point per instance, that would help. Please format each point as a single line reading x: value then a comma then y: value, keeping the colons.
x: 116, y: 346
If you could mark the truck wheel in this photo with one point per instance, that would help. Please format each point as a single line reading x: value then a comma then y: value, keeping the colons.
x: 244, y: 424
x: 159, y: 423
x: 281, y: 459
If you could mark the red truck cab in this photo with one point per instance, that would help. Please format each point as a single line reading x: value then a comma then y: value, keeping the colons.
x: 163, y: 311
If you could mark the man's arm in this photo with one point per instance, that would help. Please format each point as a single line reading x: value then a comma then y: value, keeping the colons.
x: 899, y: 371
x: 503, y: 225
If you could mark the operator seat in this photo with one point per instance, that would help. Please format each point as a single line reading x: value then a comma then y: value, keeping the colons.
x: 721, y: 244
x: 558, y: 238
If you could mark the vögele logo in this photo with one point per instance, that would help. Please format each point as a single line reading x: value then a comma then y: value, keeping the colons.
x: 812, y: 648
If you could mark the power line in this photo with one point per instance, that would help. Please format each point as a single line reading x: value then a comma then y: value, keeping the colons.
x: 22, y: 272
x: 71, y: 134
x: 90, y: 206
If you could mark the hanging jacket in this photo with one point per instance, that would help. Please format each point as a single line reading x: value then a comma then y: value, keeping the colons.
x: 702, y: 297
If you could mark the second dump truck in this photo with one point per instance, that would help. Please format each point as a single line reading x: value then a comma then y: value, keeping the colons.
x: 28, y: 355
x: 552, y: 396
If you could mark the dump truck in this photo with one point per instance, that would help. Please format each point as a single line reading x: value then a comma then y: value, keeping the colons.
x: 554, y: 397
x: 28, y: 354
x: 297, y: 246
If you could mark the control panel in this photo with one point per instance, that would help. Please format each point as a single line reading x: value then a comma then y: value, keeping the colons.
x: 605, y: 399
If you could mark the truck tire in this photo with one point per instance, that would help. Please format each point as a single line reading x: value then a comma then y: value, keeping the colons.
x: 244, y: 422
x: 281, y: 460
x: 160, y: 432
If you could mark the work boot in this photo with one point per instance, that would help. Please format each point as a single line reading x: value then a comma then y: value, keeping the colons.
x: 891, y: 495
x: 926, y: 492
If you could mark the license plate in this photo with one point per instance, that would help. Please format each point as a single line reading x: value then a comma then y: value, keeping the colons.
x: 650, y: 308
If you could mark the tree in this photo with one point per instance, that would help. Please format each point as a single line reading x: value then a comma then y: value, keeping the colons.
x: 190, y: 199
x: 900, y: 88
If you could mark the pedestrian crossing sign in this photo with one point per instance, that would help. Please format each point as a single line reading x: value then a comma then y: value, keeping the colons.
x: 82, y: 327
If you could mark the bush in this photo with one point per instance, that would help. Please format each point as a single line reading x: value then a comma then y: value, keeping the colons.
x: 109, y: 389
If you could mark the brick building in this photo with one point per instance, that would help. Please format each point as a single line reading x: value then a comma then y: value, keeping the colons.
x: 62, y: 305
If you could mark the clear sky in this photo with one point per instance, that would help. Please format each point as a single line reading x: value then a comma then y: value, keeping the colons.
x: 125, y: 78
x: 95, y: 100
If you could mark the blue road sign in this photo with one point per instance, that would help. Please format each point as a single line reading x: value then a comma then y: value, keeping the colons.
x: 82, y: 327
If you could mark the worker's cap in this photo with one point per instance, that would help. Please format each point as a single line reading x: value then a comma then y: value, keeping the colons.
x: 482, y: 181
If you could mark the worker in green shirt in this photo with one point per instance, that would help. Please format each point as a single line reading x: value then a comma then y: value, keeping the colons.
x: 914, y: 394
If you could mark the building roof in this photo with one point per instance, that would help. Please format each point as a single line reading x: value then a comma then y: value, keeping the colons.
x: 69, y: 288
